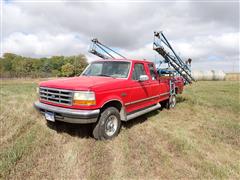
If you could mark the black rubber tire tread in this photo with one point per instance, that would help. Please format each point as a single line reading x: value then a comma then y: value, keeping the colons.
x: 164, y: 104
x: 99, y: 128
x: 167, y: 106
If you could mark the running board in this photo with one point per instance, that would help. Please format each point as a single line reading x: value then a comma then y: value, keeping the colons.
x: 144, y: 111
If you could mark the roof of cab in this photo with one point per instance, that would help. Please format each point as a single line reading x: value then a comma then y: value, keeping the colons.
x: 127, y: 60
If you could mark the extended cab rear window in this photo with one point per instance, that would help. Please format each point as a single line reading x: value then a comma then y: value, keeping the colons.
x: 115, y: 69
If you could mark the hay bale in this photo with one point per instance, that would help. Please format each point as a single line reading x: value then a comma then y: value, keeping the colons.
x: 219, y: 75
x: 197, y: 75
x: 208, y: 75
x: 232, y: 77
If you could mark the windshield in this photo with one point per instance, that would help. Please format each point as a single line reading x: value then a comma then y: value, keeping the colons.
x: 115, y: 69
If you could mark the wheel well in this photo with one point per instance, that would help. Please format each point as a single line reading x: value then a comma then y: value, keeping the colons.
x: 117, y: 104
x: 114, y: 103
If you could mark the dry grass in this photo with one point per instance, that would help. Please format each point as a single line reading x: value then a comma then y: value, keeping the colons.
x: 198, y: 139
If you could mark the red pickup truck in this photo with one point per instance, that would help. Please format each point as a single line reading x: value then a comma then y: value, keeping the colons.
x: 106, y: 93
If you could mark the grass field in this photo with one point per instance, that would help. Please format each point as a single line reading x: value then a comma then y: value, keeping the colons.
x: 200, y: 138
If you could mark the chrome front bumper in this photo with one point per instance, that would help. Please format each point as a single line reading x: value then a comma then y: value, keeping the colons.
x: 69, y: 115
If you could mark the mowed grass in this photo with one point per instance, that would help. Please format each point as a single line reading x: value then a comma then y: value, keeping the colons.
x: 200, y: 138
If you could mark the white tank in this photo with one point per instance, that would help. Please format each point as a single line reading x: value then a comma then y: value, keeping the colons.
x: 197, y: 75
x: 208, y: 75
x: 219, y: 75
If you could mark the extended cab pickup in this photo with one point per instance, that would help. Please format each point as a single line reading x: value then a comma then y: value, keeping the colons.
x: 108, y: 92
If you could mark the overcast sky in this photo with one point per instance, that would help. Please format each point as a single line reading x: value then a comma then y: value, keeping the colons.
x: 208, y: 32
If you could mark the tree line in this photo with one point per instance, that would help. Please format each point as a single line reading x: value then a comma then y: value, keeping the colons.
x: 12, y: 65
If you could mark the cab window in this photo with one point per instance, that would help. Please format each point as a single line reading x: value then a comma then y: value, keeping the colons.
x: 152, y: 72
x: 138, y: 71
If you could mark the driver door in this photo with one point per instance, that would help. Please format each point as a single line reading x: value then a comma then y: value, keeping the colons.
x: 138, y: 89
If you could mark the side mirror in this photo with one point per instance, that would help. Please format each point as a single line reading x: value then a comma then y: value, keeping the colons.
x: 143, y: 78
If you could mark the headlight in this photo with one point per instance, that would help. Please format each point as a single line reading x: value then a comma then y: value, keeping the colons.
x: 37, y: 90
x: 86, y: 98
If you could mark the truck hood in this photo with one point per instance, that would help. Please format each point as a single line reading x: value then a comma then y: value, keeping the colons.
x: 79, y: 83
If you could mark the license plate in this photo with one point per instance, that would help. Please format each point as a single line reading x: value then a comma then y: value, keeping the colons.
x: 49, y: 116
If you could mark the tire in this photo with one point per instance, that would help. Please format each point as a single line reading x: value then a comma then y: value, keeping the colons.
x: 51, y: 124
x: 163, y: 104
x: 108, y: 125
x: 171, y: 103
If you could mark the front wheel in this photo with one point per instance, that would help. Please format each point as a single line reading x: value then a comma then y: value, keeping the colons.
x: 108, y: 125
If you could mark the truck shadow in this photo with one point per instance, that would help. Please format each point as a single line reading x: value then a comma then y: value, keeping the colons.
x: 140, y: 119
x: 145, y: 117
x: 85, y: 130
x: 75, y: 130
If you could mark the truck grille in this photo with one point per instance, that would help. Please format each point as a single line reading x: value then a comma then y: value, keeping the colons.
x: 58, y: 96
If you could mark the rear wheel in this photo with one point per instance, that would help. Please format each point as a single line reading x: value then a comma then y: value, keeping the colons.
x: 171, y: 102
x: 108, y: 125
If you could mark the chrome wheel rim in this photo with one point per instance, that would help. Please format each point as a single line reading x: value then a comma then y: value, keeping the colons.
x: 173, y: 101
x: 111, y: 125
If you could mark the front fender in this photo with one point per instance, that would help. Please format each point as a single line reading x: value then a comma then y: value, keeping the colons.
x: 115, y: 98
x: 107, y: 99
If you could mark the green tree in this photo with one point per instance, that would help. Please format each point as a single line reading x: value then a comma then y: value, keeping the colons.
x: 1, y: 67
x: 12, y: 65
x: 80, y: 63
x: 18, y: 66
x: 67, y: 70
x: 57, y: 62
x: 28, y: 67
x: 7, y: 61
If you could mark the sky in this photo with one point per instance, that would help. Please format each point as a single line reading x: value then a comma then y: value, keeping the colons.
x: 207, y: 32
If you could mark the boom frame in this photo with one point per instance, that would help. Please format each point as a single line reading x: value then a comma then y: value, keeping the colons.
x: 103, y: 51
x: 160, y: 43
